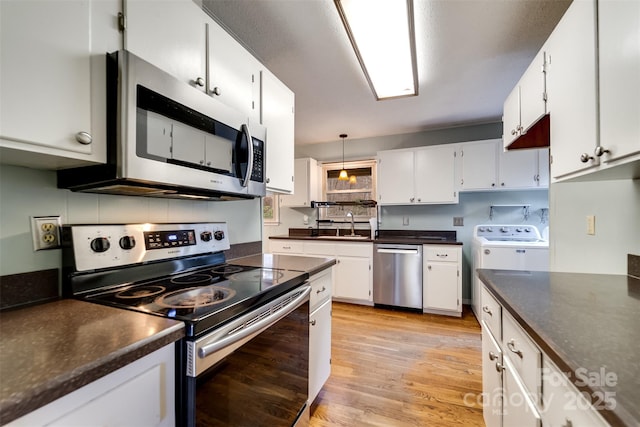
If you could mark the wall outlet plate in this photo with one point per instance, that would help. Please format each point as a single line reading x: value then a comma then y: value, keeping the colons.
x: 45, y: 231
x: 458, y: 221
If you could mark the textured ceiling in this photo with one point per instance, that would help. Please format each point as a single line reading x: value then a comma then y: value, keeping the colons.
x: 470, y: 54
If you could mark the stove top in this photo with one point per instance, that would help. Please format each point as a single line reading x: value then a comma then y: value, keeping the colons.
x: 204, y: 298
x: 178, y: 272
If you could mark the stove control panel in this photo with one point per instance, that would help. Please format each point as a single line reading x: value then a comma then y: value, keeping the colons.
x: 104, y: 246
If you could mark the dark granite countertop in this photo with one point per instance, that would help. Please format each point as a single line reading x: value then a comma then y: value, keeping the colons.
x: 311, y: 265
x: 403, y: 240
x: 52, y: 349
x: 587, y: 324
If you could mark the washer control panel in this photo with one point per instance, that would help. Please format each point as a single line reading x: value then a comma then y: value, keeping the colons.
x: 507, y: 232
x: 105, y: 246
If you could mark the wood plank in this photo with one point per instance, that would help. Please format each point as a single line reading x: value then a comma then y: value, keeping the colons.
x: 398, y: 368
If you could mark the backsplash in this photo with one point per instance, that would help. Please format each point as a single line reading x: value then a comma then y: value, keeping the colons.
x: 28, y: 192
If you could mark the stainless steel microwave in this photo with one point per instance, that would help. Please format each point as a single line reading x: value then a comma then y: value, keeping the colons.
x: 166, y: 138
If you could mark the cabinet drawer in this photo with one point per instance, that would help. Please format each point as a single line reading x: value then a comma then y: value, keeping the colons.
x: 287, y: 246
x: 523, y: 353
x: 354, y: 249
x: 441, y: 253
x: 321, y: 285
x: 563, y: 405
x: 319, y: 248
x: 492, y: 313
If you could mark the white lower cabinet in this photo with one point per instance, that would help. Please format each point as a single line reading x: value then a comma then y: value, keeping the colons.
x: 319, y: 331
x: 491, y: 379
x: 520, y: 385
x: 353, y: 276
x: 139, y: 394
x: 518, y: 408
x: 442, y: 283
x: 319, y: 348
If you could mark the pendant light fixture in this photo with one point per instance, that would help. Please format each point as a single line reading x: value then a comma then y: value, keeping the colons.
x: 344, y: 176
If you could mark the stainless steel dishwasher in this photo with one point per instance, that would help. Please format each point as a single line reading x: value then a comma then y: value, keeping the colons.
x: 397, y: 275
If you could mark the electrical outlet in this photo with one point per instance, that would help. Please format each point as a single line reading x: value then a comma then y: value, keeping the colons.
x: 46, y: 232
x: 405, y: 220
x: 458, y: 221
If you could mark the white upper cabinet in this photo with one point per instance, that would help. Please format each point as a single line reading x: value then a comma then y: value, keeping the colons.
x: 524, y: 169
x: 526, y: 103
x: 478, y: 167
x: 395, y: 172
x: 169, y: 34
x: 417, y: 175
x: 435, y: 174
x: 52, y: 81
x: 619, y: 56
x: 278, y: 116
x: 532, y: 93
x: 306, y: 184
x: 571, y: 89
x: 234, y: 73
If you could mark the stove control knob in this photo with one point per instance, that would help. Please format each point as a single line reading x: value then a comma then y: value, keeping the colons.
x: 519, y: 230
x: 490, y: 230
x: 100, y: 244
x: 218, y: 235
x: 127, y: 242
x: 504, y: 229
x: 481, y: 229
x: 527, y: 230
x: 205, y: 236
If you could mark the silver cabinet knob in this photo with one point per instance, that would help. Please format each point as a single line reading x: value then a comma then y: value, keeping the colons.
x: 429, y: 267
x: 487, y: 310
x: 492, y: 355
x: 313, y: 322
x: 419, y: 200
x: 585, y: 157
x: 84, y: 138
x: 513, y: 131
x: 499, y: 367
x: 600, y: 150
x: 216, y: 91
x: 199, y: 81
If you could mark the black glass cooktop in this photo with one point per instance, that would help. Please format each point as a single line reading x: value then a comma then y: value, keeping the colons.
x: 204, y: 298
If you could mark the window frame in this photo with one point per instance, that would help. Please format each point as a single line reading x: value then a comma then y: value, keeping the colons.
x: 354, y: 164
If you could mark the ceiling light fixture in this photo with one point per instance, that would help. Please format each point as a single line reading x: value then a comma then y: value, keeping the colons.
x: 343, y: 173
x: 383, y: 36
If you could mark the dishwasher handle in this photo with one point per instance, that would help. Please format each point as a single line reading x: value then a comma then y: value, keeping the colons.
x: 397, y: 251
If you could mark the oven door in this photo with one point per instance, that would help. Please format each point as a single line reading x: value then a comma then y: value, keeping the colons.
x: 253, y: 371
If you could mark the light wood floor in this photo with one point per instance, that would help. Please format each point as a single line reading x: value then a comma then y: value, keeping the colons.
x: 394, y: 369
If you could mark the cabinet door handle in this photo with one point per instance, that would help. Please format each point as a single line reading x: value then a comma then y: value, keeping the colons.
x: 486, y: 310
x: 321, y: 290
x: 492, y: 355
x: 313, y: 322
x: 286, y: 247
x: 585, y: 157
x: 512, y: 346
x: 199, y: 81
x: 429, y: 267
x: 442, y: 255
x: 84, y: 138
x: 568, y: 423
x: 500, y: 367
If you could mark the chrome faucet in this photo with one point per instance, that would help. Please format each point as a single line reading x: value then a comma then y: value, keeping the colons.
x: 350, y: 214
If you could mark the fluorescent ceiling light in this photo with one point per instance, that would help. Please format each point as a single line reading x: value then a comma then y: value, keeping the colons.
x: 383, y: 37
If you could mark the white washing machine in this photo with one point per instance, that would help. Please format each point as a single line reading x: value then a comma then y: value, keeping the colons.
x: 506, y: 247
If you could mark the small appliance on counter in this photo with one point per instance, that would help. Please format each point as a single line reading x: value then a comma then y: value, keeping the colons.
x: 232, y: 314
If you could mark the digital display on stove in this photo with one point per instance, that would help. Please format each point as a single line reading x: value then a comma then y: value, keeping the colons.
x: 169, y: 239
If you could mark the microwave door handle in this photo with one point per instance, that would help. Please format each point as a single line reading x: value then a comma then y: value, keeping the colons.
x: 245, y: 130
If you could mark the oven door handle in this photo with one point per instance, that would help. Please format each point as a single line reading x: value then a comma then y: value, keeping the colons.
x: 237, y: 332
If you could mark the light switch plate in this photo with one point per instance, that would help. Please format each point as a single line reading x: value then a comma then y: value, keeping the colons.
x: 591, y: 225
x: 458, y: 221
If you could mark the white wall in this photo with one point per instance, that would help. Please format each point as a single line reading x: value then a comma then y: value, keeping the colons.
x: 28, y: 192
x: 616, y: 206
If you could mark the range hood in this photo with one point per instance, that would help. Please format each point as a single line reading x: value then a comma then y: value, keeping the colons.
x: 537, y: 136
